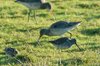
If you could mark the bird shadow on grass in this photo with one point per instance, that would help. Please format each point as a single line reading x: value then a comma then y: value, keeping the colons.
x: 28, y: 30
x: 4, y: 60
x: 33, y: 43
x: 91, y: 32
x: 15, y: 42
x: 93, y: 17
x: 11, y: 17
x: 92, y: 46
x: 89, y: 6
x: 72, y: 61
x: 10, y: 61
x: 42, y: 15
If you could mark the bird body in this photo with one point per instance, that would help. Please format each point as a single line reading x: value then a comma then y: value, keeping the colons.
x: 35, y: 4
x: 10, y: 51
x: 64, y: 42
x: 59, y: 28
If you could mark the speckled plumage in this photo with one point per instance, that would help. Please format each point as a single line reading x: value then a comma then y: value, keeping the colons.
x: 64, y: 42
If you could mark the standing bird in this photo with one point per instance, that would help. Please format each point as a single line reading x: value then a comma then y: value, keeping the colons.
x: 10, y: 52
x: 35, y: 4
x: 64, y: 42
x: 58, y: 28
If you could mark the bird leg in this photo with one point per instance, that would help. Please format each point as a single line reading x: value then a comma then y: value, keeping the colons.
x: 35, y: 16
x: 29, y: 14
x: 70, y: 34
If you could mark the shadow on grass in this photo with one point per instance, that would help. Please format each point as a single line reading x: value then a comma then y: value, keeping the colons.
x: 28, y: 30
x: 72, y: 61
x: 61, y: 13
x: 5, y: 61
x: 11, y: 17
x: 12, y: 61
x: 33, y: 43
x: 93, y: 17
x: 92, y: 46
x: 89, y: 6
x: 91, y: 32
x: 42, y: 15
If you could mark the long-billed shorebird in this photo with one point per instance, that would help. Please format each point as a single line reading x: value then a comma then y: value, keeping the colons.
x: 64, y: 42
x: 58, y: 28
x: 10, y: 52
x: 35, y: 4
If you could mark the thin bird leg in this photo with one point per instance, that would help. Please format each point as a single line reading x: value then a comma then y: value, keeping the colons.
x: 78, y: 46
x: 29, y: 14
x: 35, y: 16
x: 60, y: 56
x: 59, y: 52
x: 70, y: 34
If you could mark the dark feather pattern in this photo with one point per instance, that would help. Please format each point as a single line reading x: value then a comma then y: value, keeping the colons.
x: 63, y: 42
x: 63, y: 24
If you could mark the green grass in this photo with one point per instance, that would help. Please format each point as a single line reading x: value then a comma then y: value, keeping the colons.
x: 17, y: 32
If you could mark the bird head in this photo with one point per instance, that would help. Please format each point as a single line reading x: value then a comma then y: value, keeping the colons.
x: 42, y: 32
x: 46, y: 6
x: 74, y: 42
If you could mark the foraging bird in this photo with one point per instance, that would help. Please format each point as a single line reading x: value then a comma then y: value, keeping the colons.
x: 11, y: 52
x: 35, y: 4
x: 64, y: 42
x: 58, y: 28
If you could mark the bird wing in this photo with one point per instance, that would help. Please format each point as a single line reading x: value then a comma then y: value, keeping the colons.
x: 59, y: 28
x: 61, y: 40
x: 59, y: 24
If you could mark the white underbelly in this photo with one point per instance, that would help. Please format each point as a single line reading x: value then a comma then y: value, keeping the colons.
x: 58, y: 32
x: 32, y: 5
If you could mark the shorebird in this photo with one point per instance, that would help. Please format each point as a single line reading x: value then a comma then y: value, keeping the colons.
x: 58, y: 28
x: 35, y: 4
x: 10, y: 52
x: 64, y: 42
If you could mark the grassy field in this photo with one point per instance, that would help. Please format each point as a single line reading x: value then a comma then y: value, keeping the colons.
x: 17, y: 32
